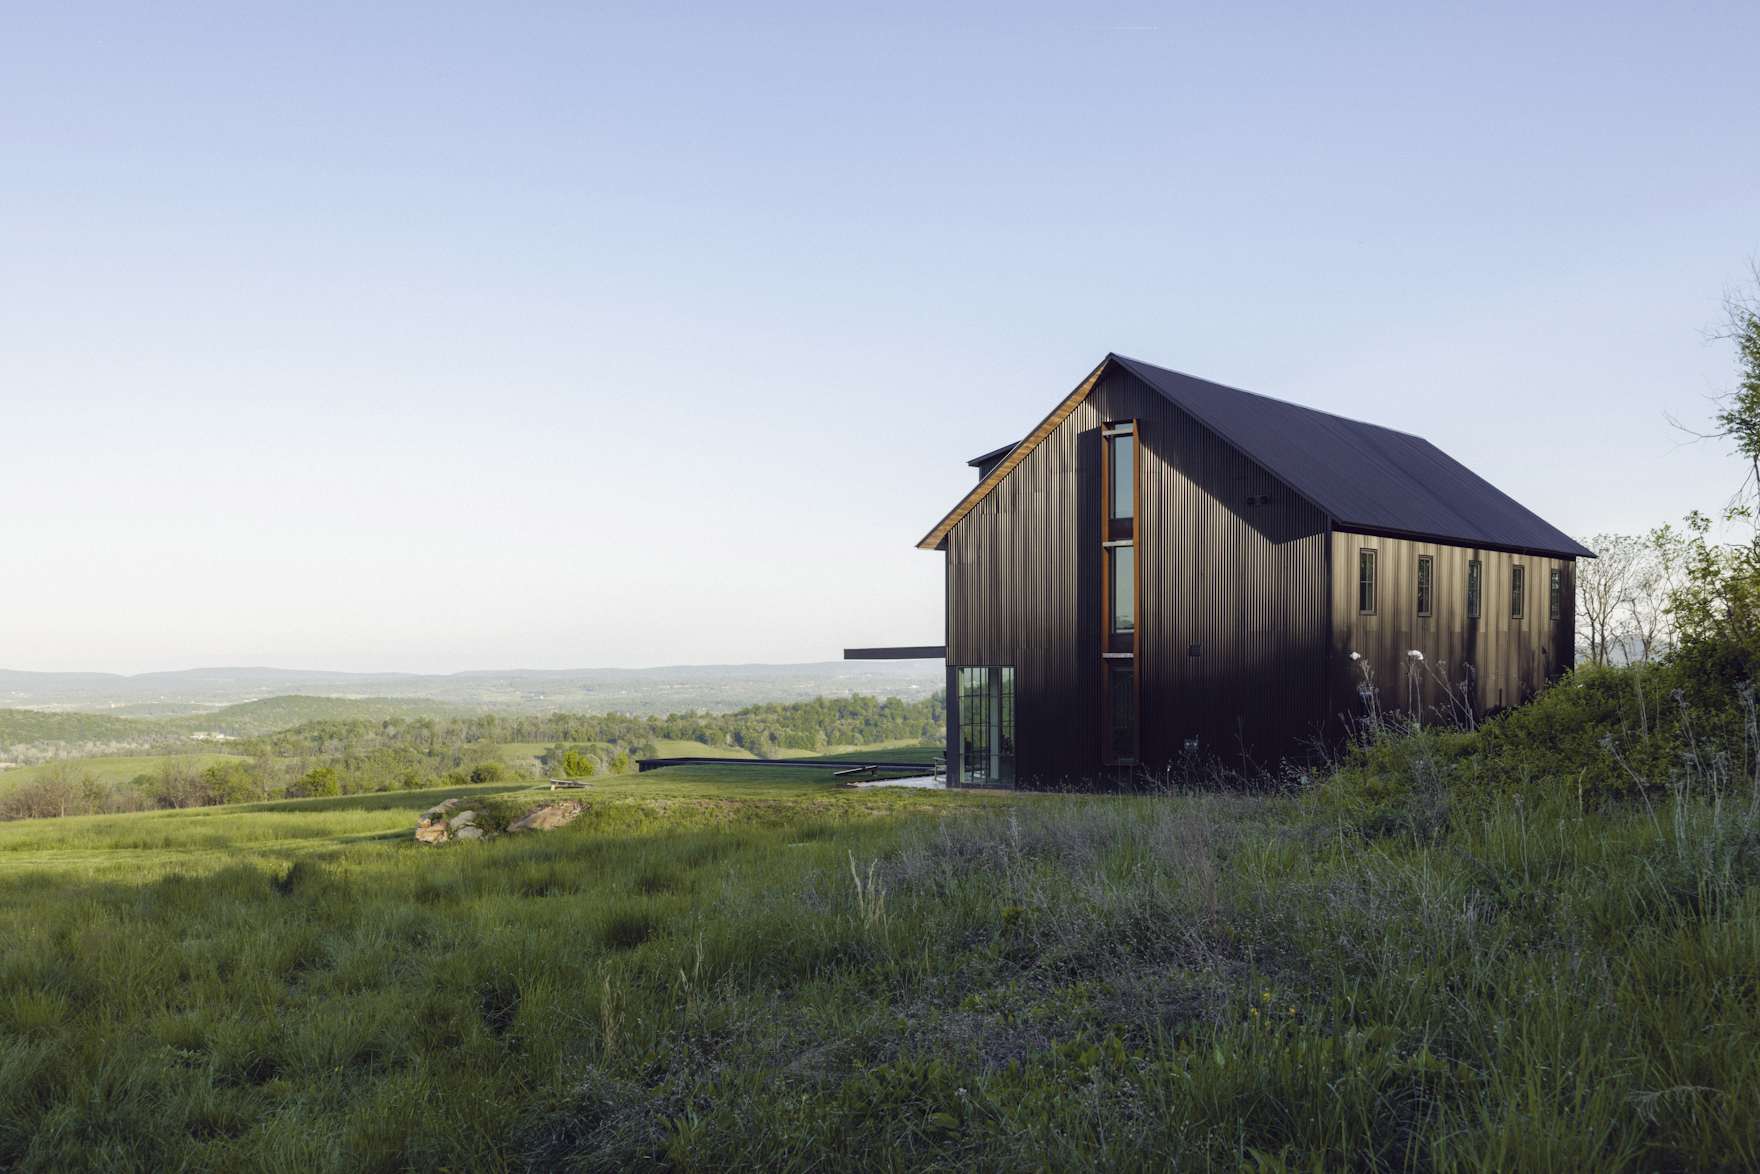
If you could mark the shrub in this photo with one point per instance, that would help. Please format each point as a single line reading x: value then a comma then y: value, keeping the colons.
x: 1605, y: 728
x: 1599, y: 733
x: 318, y: 783
x: 227, y: 782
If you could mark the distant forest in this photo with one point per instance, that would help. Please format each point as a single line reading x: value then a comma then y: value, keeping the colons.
x: 762, y: 730
x: 333, y: 756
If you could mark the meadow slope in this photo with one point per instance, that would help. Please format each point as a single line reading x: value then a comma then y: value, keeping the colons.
x: 719, y: 966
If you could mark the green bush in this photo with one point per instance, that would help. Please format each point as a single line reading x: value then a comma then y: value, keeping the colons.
x: 1597, y: 734
x: 1606, y: 729
x: 318, y: 783
x: 488, y: 772
x: 228, y: 782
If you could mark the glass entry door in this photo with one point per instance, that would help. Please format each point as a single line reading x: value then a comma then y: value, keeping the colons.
x: 986, y: 725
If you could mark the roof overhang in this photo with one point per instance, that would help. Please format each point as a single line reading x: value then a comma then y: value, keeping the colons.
x: 937, y: 538
x: 993, y: 454
x: 898, y: 652
x: 1465, y: 543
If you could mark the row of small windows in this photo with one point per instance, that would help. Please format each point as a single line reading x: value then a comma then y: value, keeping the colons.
x: 1518, y: 586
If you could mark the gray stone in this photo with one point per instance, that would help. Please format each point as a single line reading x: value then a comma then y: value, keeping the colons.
x: 438, y: 810
x: 431, y: 833
x: 463, y: 819
x: 470, y: 832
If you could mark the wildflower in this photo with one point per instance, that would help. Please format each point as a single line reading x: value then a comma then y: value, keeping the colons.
x: 1253, y: 1011
x: 1415, y: 655
x: 1356, y: 656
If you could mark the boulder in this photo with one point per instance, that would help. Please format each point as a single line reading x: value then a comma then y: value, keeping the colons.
x: 464, y: 819
x: 545, y: 818
x: 469, y: 831
x: 438, y: 811
x: 431, y: 833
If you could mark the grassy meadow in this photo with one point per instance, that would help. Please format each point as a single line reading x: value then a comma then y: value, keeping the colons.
x: 718, y: 966
x: 118, y: 768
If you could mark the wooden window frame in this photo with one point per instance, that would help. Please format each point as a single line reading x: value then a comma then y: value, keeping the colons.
x: 1518, y: 591
x: 1475, y: 589
x: 1555, y: 594
x: 1374, y: 580
x: 1109, y: 555
x: 1108, y: 433
x: 1426, y: 586
x: 1116, y: 646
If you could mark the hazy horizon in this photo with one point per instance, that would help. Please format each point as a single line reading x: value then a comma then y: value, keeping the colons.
x: 396, y: 339
x: 394, y: 672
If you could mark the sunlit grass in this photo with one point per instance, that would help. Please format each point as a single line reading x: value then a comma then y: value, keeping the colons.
x: 727, y: 967
x: 118, y: 768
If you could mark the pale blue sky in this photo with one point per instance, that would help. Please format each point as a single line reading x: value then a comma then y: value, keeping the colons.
x: 435, y: 337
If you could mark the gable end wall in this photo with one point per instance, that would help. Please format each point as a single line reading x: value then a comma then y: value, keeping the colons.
x: 1247, y: 583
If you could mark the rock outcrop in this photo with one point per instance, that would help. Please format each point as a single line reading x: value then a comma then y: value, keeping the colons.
x: 433, y: 827
x: 547, y: 818
x: 438, y: 824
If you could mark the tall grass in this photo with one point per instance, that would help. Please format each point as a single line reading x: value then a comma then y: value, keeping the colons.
x: 701, y: 974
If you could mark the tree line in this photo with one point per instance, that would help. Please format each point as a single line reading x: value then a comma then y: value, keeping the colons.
x: 762, y: 730
x: 1693, y: 588
x: 354, y: 756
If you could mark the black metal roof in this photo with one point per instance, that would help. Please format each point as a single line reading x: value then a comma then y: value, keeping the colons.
x: 993, y: 455
x: 1366, y: 477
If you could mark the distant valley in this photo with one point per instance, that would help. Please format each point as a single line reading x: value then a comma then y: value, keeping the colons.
x: 645, y: 691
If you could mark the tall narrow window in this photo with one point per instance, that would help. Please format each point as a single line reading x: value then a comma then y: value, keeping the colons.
x: 1517, y: 582
x: 1426, y: 566
x: 1366, y: 582
x: 1122, y: 571
x: 1475, y: 580
x: 1121, y: 470
x: 1121, y: 706
x: 1555, y: 593
x: 1121, y: 488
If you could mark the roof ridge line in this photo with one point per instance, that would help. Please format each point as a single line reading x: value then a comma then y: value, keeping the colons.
x: 1288, y: 403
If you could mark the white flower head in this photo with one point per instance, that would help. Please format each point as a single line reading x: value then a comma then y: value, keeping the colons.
x: 1415, y: 654
x: 1356, y: 656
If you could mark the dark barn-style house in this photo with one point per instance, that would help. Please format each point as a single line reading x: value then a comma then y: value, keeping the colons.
x: 1166, y: 566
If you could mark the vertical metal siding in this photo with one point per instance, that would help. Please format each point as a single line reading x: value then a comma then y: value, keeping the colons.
x: 1506, y: 659
x: 1246, y: 582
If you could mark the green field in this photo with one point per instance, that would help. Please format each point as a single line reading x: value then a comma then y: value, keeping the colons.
x: 119, y: 768
x: 678, y: 748
x: 888, y: 752
x: 731, y: 966
x: 902, y: 750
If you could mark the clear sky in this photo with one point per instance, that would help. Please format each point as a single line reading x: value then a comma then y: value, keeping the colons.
x: 444, y: 336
